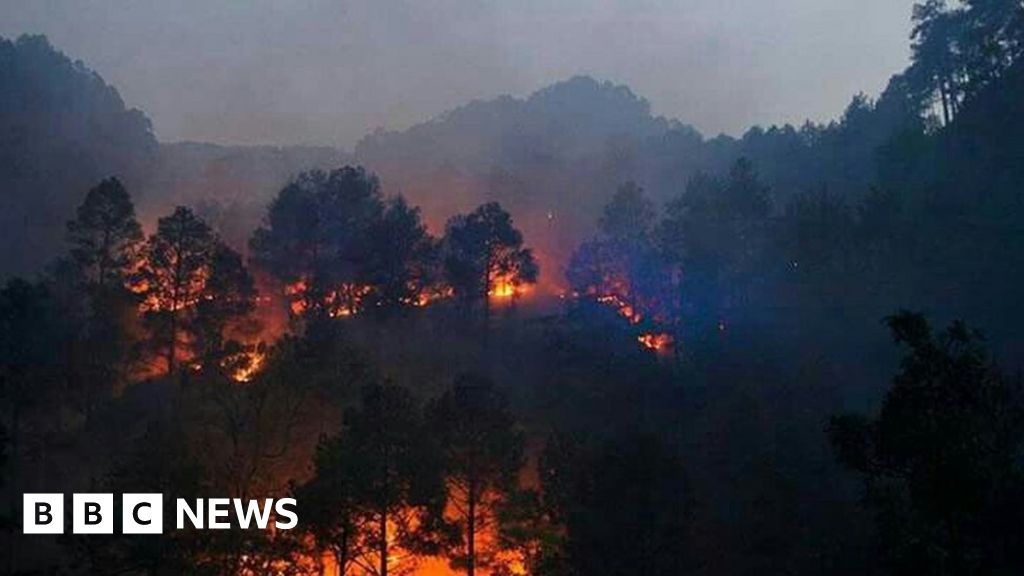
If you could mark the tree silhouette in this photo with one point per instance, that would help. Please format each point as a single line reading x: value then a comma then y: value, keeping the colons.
x: 941, y: 461
x: 388, y: 481
x: 328, y: 507
x: 105, y: 237
x: 161, y: 461
x: 482, y: 452
x: 938, y: 63
x: 960, y: 48
x: 483, y: 249
x: 315, y: 235
x: 625, y: 505
x: 106, y: 248
x: 32, y: 371
x: 816, y: 234
x: 192, y: 285
x: 629, y: 216
x: 623, y: 267
x: 229, y: 294
x: 717, y: 232
x: 400, y: 260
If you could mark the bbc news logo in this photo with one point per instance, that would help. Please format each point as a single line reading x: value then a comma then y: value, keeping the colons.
x: 144, y: 513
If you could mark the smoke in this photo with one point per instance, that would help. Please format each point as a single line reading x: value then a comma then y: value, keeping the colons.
x: 329, y: 71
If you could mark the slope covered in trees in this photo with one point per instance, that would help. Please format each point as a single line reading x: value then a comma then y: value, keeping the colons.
x: 710, y: 396
x: 62, y: 129
x: 556, y: 157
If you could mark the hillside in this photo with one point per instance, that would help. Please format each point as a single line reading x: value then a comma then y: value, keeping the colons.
x: 229, y: 185
x: 556, y: 157
x: 62, y: 129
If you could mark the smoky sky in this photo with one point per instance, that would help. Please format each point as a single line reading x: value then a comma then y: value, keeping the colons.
x: 329, y: 71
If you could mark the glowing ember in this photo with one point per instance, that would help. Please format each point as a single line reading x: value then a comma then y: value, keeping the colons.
x: 624, y: 308
x: 347, y: 300
x: 504, y: 288
x: 343, y: 300
x: 428, y: 295
x: 659, y: 343
x: 295, y: 293
x: 249, y: 366
x: 648, y: 314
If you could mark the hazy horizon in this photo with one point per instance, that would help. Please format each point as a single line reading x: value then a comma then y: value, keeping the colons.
x: 329, y: 72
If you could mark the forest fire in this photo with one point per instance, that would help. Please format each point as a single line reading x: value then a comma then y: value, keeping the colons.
x: 507, y: 285
x: 425, y: 296
x: 247, y: 364
x: 344, y: 300
x: 616, y: 297
x: 659, y: 343
x: 623, y: 307
x: 505, y: 290
x: 402, y: 560
x: 562, y: 333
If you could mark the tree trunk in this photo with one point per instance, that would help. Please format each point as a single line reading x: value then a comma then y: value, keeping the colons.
x: 173, y: 341
x: 341, y: 557
x: 383, y: 544
x: 386, y: 498
x: 341, y: 554
x: 101, y: 281
x: 487, y: 301
x: 471, y: 531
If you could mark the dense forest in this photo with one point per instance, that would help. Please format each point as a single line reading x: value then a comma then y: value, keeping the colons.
x: 555, y: 335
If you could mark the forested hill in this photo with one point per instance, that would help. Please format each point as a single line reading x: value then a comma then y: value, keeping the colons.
x: 713, y: 360
x: 230, y: 186
x: 556, y: 157
x: 553, y: 158
x: 62, y: 129
x: 604, y: 134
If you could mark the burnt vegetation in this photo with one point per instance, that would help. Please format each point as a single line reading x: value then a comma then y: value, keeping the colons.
x: 632, y: 350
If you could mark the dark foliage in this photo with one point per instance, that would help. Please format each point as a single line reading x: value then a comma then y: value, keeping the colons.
x: 63, y: 129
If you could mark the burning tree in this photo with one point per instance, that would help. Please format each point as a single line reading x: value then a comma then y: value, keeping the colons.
x: 482, y: 453
x: 328, y: 508
x: 623, y: 269
x: 400, y: 263
x: 484, y: 257
x: 340, y: 248
x: 192, y: 285
x: 314, y: 238
x: 381, y: 482
x: 230, y: 294
x: 702, y: 261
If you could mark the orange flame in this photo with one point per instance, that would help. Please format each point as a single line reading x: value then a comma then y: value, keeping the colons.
x: 616, y: 294
x: 660, y: 343
x: 623, y: 307
x: 249, y: 366
x: 504, y: 287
